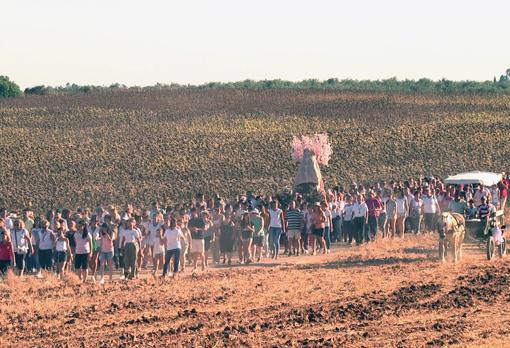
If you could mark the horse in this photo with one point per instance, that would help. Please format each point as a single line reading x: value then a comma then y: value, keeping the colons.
x: 451, y: 234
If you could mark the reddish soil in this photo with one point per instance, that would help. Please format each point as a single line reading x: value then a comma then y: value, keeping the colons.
x: 390, y: 293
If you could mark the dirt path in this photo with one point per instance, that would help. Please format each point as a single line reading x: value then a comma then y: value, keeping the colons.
x: 386, y: 294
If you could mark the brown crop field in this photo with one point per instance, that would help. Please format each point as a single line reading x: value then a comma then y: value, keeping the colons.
x: 386, y: 294
x: 136, y: 146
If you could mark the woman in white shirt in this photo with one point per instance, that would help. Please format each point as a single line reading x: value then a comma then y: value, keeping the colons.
x: 45, y: 246
x: 402, y: 210
x: 153, y: 232
x: 431, y: 209
x: 172, y: 241
x: 61, y: 248
x: 360, y: 218
x: 21, y: 244
x: 158, y: 250
x: 327, y: 226
x: 348, y: 215
x: 83, y: 240
x: 131, y: 245
x: 275, y: 228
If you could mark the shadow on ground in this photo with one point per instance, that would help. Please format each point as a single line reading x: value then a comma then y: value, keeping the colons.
x: 359, y: 262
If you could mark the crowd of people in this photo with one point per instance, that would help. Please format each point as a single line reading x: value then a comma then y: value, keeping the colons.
x: 205, y: 230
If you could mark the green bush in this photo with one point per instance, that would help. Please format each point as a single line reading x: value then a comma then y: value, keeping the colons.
x: 8, y: 88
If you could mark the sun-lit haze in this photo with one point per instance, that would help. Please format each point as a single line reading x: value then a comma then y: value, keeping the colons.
x: 145, y: 42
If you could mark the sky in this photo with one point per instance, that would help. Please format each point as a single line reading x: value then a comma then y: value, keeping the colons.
x: 141, y: 43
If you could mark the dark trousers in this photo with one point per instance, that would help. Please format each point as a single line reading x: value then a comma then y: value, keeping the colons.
x: 337, y: 229
x: 358, y: 227
x: 176, y: 254
x: 327, y: 236
x: 31, y: 263
x: 45, y: 258
x: 20, y: 261
x: 371, y: 228
x: 382, y: 222
x: 430, y: 221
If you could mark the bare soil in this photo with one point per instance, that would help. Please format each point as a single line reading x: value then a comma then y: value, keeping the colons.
x: 389, y: 293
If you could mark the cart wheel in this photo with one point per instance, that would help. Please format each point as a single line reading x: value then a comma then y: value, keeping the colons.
x: 502, y: 248
x: 490, y: 248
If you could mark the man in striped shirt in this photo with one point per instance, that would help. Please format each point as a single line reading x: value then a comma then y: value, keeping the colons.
x: 485, y: 210
x: 294, y: 222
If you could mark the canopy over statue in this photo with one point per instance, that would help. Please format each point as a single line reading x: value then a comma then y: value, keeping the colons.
x: 310, y: 152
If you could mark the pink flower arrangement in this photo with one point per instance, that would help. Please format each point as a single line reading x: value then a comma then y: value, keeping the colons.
x: 318, y: 144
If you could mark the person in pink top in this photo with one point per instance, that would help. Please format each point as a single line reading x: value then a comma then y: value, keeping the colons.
x: 83, y: 240
x: 105, y: 241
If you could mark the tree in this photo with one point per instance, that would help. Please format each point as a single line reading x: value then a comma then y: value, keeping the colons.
x: 8, y: 88
x: 36, y: 90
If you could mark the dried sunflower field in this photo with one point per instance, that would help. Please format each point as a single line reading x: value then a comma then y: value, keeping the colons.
x: 136, y: 146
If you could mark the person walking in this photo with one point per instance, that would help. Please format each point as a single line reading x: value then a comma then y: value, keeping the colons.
x: 227, y: 238
x: 402, y: 213
x: 360, y: 218
x: 336, y: 218
x: 328, y: 223
x: 416, y: 208
x: 247, y: 230
x: 275, y: 227
x: 197, y: 226
x: 430, y: 210
x: 348, y: 215
x: 374, y: 206
x: 294, y: 220
x: 7, y: 257
x: 391, y: 215
x: 264, y: 214
x: 93, y: 229
x: 319, y: 222
x: 45, y: 244
x: 258, y: 233
x: 106, y: 238
x: 172, y: 239
x: 83, y: 240
x: 61, y: 249
x: 131, y: 245
x: 22, y: 245
x: 503, y: 190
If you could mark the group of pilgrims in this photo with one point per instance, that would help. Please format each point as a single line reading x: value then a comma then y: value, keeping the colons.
x: 206, y: 231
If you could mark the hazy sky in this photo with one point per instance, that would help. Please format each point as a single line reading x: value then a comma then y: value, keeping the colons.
x: 52, y: 42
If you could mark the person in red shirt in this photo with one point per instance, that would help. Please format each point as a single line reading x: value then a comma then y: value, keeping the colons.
x: 503, y: 190
x: 7, y: 258
x: 374, y: 205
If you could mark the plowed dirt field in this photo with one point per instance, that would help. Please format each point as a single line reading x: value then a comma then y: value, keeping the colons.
x: 390, y: 293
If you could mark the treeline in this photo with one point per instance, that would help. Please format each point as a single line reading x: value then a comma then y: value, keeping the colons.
x: 501, y: 85
x: 421, y: 85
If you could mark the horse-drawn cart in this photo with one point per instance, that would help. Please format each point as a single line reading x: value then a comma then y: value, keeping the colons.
x: 481, y: 230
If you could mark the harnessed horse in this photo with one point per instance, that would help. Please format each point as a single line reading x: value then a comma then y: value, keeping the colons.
x: 451, y: 234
